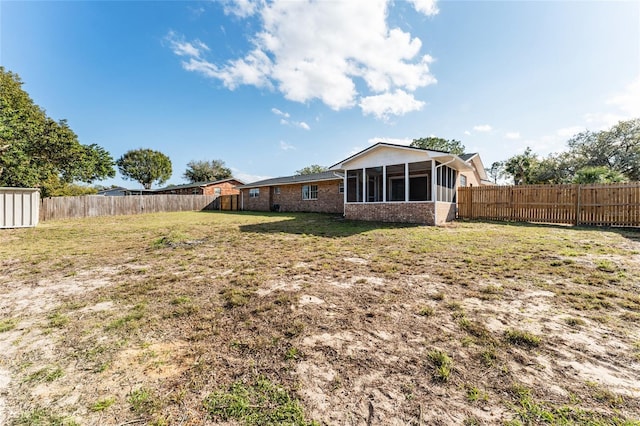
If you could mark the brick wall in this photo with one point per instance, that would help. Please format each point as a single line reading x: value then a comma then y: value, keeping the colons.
x: 259, y: 203
x: 226, y: 188
x: 329, y: 199
x: 290, y: 198
x: 392, y: 212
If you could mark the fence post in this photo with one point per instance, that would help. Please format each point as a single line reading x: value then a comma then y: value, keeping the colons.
x: 578, y: 205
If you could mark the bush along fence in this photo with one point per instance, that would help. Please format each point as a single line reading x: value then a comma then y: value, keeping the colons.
x: 597, y: 204
x: 97, y: 205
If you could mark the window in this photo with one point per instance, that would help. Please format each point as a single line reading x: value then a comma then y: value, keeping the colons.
x: 309, y: 192
x: 463, y: 180
x: 254, y: 192
x: 341, y: 188
x: 217, y: 191
x: 276, y: 190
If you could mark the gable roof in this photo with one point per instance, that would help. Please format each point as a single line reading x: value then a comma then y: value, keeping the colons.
x: 442, y: 156
x: 290, y: 180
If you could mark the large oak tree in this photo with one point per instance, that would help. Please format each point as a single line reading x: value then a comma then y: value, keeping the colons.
x: 37, y: 151
x: 145, y: 166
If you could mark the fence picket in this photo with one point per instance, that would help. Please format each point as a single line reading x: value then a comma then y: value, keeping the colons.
x: 595, y: 204
x: 94, y: 205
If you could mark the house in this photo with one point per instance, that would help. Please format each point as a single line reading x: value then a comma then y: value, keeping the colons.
x: 317, y: 192
x: 385, y: 182
x: 117, y: 191
x: 218, y: 187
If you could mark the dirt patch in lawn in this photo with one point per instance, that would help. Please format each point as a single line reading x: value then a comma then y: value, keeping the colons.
x: 353, y: 324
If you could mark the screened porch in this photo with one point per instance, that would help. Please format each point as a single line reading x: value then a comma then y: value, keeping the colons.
x: 408, y: 182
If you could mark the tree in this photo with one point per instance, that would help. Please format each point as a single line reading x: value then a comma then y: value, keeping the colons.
x: 37, y: 151
x: 206, y: 171
x: 145, y: 166
x: 599, y: 174
x: 309, y: 170
x: 520, y: 167
x: 439, y: 144
x: 553, y: 169
x: 617, y: 148
x: 496, y: 171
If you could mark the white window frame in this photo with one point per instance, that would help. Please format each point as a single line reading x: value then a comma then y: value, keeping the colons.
x: 254, y: 192
x: 311, y: 190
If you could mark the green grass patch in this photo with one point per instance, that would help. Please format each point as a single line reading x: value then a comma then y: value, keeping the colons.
x: 102, y: 404
x: 8, y: 324
x: 45, y: 375
x: 259, y: 402
x: 522, y: 338
x: 442, y: 365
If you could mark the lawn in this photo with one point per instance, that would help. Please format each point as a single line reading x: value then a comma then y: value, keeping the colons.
x: 240, y: 318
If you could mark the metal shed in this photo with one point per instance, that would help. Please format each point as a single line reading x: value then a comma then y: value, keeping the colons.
x: 19, y: 207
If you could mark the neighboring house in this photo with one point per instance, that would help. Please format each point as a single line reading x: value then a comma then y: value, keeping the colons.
x: 317, y: 192
x: 218, y: 187
x: 385, y: 182
x: 117, y: 191
x: 479, y: 176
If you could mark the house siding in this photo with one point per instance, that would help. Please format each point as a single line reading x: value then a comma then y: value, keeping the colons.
x: 415, y: 212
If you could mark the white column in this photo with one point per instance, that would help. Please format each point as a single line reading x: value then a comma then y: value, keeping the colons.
x: 384, y: 184
x: 406, y: 182
x: 344, y: 187
x: 364, y: 185
x: 433, y: 181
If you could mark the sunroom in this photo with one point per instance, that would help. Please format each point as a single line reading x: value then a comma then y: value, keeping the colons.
x: 396, y: 183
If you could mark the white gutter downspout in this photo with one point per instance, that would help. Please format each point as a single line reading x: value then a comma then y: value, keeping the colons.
x: 435, y: 202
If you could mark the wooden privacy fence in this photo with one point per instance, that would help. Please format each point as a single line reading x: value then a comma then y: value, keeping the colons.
x: 97, y: 205
x: 596, y: 204
x: 228, y: 202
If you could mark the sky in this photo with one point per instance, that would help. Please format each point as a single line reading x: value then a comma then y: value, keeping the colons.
x: 270, y: 87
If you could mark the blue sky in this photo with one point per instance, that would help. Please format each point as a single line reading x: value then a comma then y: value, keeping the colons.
x: 271, y: 87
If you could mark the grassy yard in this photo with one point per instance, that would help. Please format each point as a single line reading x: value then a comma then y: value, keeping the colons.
x: 239, y: 318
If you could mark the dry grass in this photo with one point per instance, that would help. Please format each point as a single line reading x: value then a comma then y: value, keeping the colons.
x: 193, y: 318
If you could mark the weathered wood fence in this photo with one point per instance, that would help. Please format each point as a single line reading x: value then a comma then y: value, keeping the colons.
x: 97, y: 205
x: 228, y: 202
x: 596, y: 204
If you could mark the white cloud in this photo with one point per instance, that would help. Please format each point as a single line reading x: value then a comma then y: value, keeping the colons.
x: 395, y: 141
x: 512, y: 135
x: 276, y: 111
x: 428, y: 7
x: 181, y: 47
x: 624, y: 105
x: 286, y: 122
x: 482, y: 128
x: 567, y: 132
x: 286, y: 147
x: 301, y: 51
x: 468, y: 133
x: 247, y: 177
x: 388, y: 104
x: 240, y: 8
x: 628, y: 102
